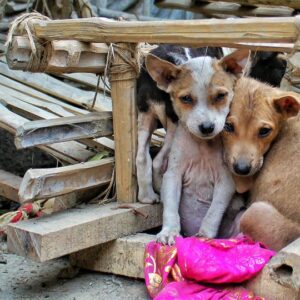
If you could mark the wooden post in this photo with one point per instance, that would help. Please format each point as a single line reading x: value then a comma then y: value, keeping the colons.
x: 123, y: 93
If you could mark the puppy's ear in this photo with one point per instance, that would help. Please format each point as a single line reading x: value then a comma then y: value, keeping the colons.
x: 161, y: 71
x: 287, y: 104
x: 238, y: 62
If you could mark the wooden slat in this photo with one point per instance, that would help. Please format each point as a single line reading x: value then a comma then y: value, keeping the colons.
x: 59, y: 89
x: 76, y: 229
x: 70, y: 152
x: 124, y: 256
x: 63, y: 56
x: 198, y: 32
x: 211, y: 8
x: 9, y: 82
x: 123, y: 93
x: 290, y: 3
x: 9, y: 185
x: 43, y: 132
x: 51, y: 182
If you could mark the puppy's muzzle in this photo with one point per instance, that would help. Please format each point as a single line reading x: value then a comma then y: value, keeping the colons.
x: 242, y: 167
x: 207, y: 128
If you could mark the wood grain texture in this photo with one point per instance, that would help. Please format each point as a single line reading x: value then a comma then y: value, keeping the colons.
x: 123, y: 93
x: 9, y: 185
x: 196, y: 32
x: 51, y: 182
x: 235, y: 9
x: 43, y: 132
x: 79, y: 228
x: 124, y: 256
x: 289, y: 3
x: 63, y: 57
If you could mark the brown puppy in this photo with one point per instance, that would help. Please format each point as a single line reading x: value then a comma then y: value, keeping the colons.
x: 257, y: 115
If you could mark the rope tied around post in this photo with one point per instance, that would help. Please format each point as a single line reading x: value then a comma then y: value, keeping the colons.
x: 130, y: 64
x: 40, y: 49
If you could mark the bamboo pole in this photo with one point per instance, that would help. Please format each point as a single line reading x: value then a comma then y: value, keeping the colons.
x: 211, y: 8
x: 191, y: 32
x: 123, y: 93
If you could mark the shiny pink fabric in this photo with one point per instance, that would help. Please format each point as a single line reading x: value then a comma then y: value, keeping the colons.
x: 171, y: 272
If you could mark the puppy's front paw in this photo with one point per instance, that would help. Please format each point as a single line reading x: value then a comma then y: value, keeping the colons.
x: 149, y: 198
x: 207, y: 232
x: 167, y: 235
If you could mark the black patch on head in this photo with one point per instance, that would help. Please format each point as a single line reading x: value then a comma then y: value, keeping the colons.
x: 147, y: 89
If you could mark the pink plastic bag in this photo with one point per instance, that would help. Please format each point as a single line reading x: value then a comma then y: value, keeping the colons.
x: 187, y: 290
x: 169, y: 270
x: 220, y: 261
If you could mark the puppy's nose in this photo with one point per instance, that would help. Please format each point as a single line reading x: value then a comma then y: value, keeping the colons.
x: 242, y: 168
x: 207, y: 128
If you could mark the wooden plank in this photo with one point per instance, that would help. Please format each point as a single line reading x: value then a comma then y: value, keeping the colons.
x: 290, y: 3
x: 59, y: 89
x: 124, y: 256
x: 51, y: 182
x: 62, y: 56
x: 69, y: 152
x: 198, y: 32
x: 87, y: 79
x: 211, y: 8
x: 123, y: 93
x: 44, y: 132
x: 50, y: 107
x: 9, y: 82
x: 76, y: 229
x: 9, y: 185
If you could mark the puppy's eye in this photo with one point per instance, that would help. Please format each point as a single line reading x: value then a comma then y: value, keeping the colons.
x: 220, y: 96
x: 264, y: 131
x: 186, y: 99
x: 229, y: 127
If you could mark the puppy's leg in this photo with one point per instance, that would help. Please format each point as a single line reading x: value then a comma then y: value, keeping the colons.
x: 264, y: 223
x: 146, y: 125
x: 160, y: 161
x: 223, y: 193
x: 170, y: 195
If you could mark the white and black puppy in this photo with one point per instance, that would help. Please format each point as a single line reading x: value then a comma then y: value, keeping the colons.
x: 156, y: 109
x: 197, y: 186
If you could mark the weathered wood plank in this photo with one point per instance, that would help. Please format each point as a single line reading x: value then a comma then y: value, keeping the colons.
x: 9, y: 82
x: 69, y: 152
x: 76, y: 229
x: 211, y: 8
x: 44, y: 132
x: 198, y: 32
x: 124, y: 256
x: 59, y: 89
x: 9, y: 185
x: 51, y: 182
x: 123, y: 93
x: 290, y: 3
x: 63, y: 56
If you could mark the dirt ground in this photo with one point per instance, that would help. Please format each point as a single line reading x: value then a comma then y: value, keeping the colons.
x: 25, y: 279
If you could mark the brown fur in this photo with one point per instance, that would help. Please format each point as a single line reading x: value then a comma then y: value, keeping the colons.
x: 274, y: 216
